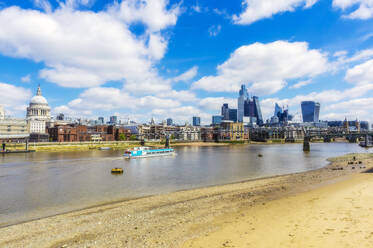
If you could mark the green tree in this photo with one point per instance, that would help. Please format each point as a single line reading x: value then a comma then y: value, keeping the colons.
x: 133, y: 137
x: 122, y: 137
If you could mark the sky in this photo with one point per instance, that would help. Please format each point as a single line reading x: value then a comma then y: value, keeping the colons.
x: 140, y: 59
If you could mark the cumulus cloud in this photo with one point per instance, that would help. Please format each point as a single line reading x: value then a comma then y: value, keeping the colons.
x: 26, y: 79
x: 14, y: 99
x: 266, y: 67
x: 363, y: 10
x: 301, y: 84
x: 186, y: 76
x: 215, y: 103
x: 87, y: 55
x: 153, y: 13
x: 361, y: 74
x: 255, y: 10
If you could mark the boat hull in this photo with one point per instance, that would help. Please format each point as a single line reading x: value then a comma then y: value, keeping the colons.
x: 151, y: 155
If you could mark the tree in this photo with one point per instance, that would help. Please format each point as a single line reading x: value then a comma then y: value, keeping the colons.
x: 133, y: 137
x: 122, y: 137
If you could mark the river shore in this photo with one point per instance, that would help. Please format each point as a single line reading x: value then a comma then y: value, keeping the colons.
x: 308, y: 207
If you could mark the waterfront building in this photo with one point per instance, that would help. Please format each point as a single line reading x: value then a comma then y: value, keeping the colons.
x: 242, y: 99
x: 225, y: 111
x: 310, y: 111
x: 169, y: 122
x: 196, y: 121
x: 217, y: 119
x: 229, y: 130
x: 2, y: 113
x: 38, y: 113
x: 13, y: 130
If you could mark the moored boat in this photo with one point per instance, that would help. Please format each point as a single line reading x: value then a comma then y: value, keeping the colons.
x: 144, y: 152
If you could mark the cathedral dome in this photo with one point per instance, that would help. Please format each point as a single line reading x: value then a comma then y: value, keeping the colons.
x: 38, y: 100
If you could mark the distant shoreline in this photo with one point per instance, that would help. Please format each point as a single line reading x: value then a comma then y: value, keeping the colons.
x: 120, y: 145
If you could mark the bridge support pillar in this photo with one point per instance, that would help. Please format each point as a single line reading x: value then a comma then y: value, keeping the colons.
x: 306, y: 144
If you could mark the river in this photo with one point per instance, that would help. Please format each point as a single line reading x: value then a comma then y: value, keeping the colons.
x: 41, y: 184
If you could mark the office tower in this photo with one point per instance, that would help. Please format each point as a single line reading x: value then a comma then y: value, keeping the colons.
x: 216, y: 119
x: 169, y: 122
x: 60, y: 117
x: 310, y: 111
x: 113, y: 119
x: 101, y: 120
x: 278, y: 110
x: 257, y: 111
x: 233, y: 115
x: 196, y: 121
x: 242, y: 98
x: 225, y: 111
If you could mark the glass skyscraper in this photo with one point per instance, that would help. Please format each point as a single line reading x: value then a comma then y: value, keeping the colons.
x: 310, y: 111
x: 216, y: 119
x: 242, y: 99
x: 196, y: 121
x: 225, y: 111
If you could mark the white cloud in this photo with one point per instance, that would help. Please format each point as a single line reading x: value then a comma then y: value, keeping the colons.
x: 255, y: 10
x: 215, y: 103
x: 26, y: 79
x: 108, y: 99
x: 182, y: 96
x: 153, y: 13
x: 266, y: 67
x: 43, y: 4
x: 361, y: 74
x: 86, y: 55
x: 214, y: 30
x: 186, y: 76
x: 301, y: 84
x: 364, y: 8
x: 14, y: 99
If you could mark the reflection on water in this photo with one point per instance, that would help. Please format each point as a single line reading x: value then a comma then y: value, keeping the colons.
x: 40, y: 184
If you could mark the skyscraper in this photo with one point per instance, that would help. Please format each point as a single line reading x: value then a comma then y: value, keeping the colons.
x: 233, y: 115
x: 113, y: 120
x: 257, y: 111
x: 216, y: 119
x: 242, y: 98
x: 101, y: 120
x: 225, y: 111
x: 169, y: 122
x: 196, y: 121
x: 310, y: 111
x: 278, y: 110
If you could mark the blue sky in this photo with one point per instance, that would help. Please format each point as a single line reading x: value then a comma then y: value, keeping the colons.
x: 139, y: 59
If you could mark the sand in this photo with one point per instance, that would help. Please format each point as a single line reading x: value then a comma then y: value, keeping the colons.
x: 321, y: 208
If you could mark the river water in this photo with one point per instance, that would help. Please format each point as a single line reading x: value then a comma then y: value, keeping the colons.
x: 40, y: 184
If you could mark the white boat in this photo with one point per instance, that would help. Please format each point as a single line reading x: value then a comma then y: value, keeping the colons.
x: 144, y: 152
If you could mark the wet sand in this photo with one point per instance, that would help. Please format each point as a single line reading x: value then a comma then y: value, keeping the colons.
x: 322, y: 208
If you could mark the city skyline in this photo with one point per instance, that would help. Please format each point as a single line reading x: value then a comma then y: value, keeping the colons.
x: 190, y: 61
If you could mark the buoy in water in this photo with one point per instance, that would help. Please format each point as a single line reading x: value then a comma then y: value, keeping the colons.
x: 117, y: 170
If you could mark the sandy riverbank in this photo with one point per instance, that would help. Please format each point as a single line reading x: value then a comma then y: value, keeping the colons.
x: 335, y: 209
